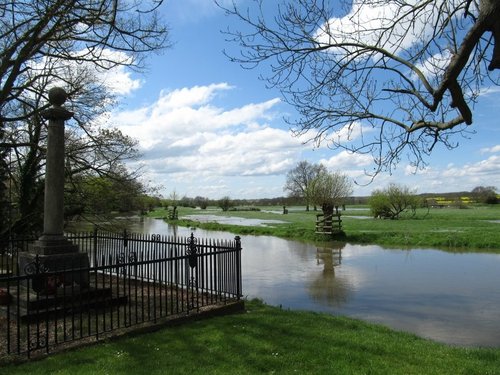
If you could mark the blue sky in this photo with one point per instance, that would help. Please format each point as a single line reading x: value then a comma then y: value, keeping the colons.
x: 207, y: 127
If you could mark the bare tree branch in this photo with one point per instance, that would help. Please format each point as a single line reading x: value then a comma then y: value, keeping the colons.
x: 399, y: 76
x: 72, y: 31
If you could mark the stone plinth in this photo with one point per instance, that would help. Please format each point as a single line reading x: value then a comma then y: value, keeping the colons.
x: 50, y: 272
x: 50, y: 245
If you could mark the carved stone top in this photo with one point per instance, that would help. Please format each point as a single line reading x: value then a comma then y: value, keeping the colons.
x: 57, y: 96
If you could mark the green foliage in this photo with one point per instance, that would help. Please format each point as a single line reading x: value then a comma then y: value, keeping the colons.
x: 379, y: 204
x: 201, y: 202
x: 149, y: 203
x: 26, y: 183
x: 485, y: 194
x: 185, y: 201
x: 104, y: 194
x: 392, y: 201
x: 225, y: 203
x: 329, y: 190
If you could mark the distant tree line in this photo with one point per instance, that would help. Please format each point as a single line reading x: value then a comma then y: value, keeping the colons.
x: 331, y: 189
x: 228, y: 202
x: 486, y: 194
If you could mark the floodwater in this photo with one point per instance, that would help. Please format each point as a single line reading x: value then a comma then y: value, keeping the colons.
x: 231, y: 220
x: 451, y: 298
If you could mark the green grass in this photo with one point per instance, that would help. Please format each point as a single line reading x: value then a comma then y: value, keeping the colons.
x: 267, y: 340
x: 450, y: 229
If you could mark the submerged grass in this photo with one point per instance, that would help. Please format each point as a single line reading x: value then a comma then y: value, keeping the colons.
x: 268, y: 340
x: 474, y: 229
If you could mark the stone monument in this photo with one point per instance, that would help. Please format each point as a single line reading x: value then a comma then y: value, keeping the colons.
x: 53, y: 252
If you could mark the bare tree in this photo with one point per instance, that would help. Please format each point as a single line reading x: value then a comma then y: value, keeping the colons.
x: 91, y: 150
x: 299, y: 179
x: 329, y: 190
x: 39, y: 38
x: 174, y: 198
x: 103, y: 156
x: 70, y: 44
x: 390, y: 78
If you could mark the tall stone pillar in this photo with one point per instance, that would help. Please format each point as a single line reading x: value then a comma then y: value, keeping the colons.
x: 53, y: 215
x: 53, y: 251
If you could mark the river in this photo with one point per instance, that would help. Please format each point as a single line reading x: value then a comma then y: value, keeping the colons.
x: 447, y: 297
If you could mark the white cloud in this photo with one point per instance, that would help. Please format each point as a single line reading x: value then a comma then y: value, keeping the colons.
x: 349, y: 133
x: 193, y: 96
x: 490, y: 91
x: 389, y: 25
x: 368, y: 22
x: 493, y: 149
x: 435, y: 66
x: 476, y: 171
x: 188, y: 141
x: 345, y: 160
x: 117, y: 78
x: 452, y: 177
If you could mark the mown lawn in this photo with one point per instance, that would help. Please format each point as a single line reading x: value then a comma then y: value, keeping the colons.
x: 268, y: 340
x: 472, y: 229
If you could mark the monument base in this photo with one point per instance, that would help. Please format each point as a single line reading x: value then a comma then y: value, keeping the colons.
x: 53, y: 245
x: 69, y: 301
x: 49, y: 272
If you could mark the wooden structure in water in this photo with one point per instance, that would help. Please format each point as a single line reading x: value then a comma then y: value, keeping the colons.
x: 173, y: 214
x: 329, y: 224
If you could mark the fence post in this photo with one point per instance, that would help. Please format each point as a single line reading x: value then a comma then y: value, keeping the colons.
x: 125, y: 238
x: 95, y: 246
x: 238, y: 267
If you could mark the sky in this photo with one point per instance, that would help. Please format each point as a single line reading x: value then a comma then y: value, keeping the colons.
x: 207, y: 127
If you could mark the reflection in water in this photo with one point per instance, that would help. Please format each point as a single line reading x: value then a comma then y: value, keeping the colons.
x: 453, y: 298
x: 325, y: 287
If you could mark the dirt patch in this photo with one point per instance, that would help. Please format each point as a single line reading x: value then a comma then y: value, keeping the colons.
x: 135, y: 306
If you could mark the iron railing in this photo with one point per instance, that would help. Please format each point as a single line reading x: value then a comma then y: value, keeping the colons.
x: 129, y: 280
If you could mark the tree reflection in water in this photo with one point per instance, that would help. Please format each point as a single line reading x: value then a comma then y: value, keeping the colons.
x: 326, y: 287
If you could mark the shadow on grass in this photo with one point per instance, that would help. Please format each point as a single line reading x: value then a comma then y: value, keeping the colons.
x: 267, y: 339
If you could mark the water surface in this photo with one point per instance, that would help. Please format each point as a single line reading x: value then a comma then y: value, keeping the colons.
x: 232, y: 220
x: 452, y: 298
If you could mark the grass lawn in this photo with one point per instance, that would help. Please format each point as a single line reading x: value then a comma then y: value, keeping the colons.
x: 473, y: 229
x: 267, y: 340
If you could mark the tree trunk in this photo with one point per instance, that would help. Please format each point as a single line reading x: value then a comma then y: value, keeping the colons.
x: 327, y: 210
x: 489, y: 12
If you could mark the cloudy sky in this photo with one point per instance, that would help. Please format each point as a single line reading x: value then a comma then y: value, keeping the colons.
x: 207, y: 127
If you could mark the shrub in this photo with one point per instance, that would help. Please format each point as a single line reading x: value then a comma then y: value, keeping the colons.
x: 393, y: 201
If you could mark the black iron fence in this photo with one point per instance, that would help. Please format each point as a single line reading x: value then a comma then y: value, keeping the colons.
x: 128, y: 280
